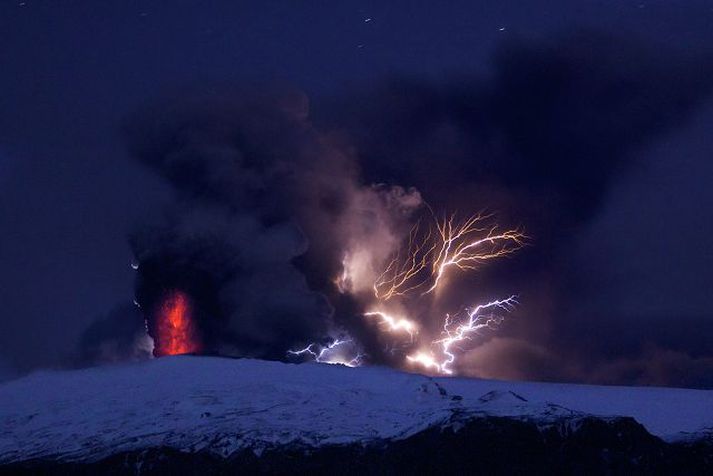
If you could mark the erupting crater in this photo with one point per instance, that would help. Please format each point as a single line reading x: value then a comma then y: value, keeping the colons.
x: 175, y: 332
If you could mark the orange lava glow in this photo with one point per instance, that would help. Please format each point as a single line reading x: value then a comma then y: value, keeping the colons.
x: 176, y: 333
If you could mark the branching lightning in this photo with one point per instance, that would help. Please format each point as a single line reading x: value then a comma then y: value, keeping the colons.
x: 400, y: 276
x: 430, y: 254
x: 459, y: 248
x: 326, y: 354
x: 478, y: 319
x: 419, y: 270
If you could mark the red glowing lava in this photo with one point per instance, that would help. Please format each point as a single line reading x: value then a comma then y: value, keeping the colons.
x: 176, y: 333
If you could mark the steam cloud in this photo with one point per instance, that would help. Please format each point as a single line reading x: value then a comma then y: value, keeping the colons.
x: 270, y: 196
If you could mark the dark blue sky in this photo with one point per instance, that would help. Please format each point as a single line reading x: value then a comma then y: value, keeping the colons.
x: 72, y: 72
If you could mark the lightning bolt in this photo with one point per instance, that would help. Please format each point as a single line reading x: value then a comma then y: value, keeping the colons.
x: 459, y: 248
x: 463, y: 245
x: 477, y: 320
x: 394, y: 324
x: 429, y: 253
x: 424, y: 359
x: 398, y: 277
x: 323, y: 355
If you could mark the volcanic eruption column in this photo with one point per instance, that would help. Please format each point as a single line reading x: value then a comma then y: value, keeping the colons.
x: 175, y: 332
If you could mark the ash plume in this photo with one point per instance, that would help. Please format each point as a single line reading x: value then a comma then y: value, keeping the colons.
x: 256, y: 187
x: 117, y: 337
x: 541, y: 140
x: 552, y: 126
x: 271, y: 196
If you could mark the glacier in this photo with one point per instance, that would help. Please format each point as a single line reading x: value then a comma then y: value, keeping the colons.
x: 223, y: 407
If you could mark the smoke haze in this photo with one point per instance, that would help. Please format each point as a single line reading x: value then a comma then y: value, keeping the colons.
x: 269, y: 164
x: 274, y: 198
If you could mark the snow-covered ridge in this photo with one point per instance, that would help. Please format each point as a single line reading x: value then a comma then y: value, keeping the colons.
x: 225, y: 405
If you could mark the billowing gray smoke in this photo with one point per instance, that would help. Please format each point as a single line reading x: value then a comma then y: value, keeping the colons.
x: 270, y: 195
x: 541, y: 141
x: 256, y: 186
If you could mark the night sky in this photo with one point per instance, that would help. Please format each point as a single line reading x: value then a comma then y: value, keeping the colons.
x: 616, y: 197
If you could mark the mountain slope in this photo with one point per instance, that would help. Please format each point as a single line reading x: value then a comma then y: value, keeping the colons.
x: 225, y: 414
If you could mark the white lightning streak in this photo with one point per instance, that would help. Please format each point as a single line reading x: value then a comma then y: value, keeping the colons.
x: 394, y: 324
x: 476, y: 322
x: 323, y: 356
x: 424, y: 359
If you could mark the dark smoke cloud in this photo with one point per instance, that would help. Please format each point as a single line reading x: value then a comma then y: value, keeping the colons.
x: 516, y: 359
x: 117, y: 337
x: 256, y: 187
x: 656, y: 366
x: 541, y: 141
x: 269, y: 195
x: 511, y: 358
x: 229, y: 238
x: 555, y: 123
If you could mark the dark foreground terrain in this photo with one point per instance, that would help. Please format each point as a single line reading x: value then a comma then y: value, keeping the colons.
x: 488, y: 445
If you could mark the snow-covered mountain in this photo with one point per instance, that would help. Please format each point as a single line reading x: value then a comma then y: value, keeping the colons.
x: 240, y: 413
